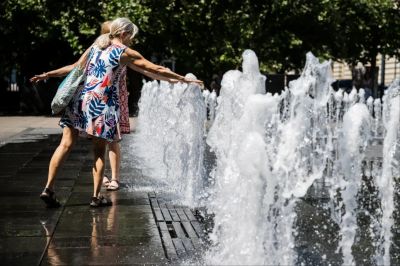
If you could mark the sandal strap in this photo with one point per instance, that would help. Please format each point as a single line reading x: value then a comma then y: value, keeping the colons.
x: 48, y: 191
x: 100, y: 201
x: 103, y: 200
x: 113, y: 186
x: 49, y: 197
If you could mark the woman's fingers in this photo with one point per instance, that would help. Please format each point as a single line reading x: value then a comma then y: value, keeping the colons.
x: 197, y: 81
x: 192, y: 80
x: 37, y: 78
x: 34, y: 79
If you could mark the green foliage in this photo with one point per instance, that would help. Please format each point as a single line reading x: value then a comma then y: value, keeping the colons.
x: 369, y: 26
x: 205, y: 36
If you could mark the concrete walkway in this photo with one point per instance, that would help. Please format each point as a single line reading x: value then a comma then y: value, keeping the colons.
x: 132, y: 231
x: 10, y: 126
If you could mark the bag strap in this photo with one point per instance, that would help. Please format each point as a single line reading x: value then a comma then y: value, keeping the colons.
x: 82, y: 62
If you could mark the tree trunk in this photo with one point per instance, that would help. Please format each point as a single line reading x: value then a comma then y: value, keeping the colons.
x: 374, y: 76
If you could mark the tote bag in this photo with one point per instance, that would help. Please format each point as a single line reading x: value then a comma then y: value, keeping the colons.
x: 68, y: 87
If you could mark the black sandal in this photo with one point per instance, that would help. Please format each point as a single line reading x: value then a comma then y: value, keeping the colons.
x: 100, y: 202
x: 49, y: 197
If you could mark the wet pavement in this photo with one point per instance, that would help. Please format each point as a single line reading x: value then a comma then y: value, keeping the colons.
x: 127, y: 233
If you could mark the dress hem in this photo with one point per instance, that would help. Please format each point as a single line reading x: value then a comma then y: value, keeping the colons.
x: 84, y: 134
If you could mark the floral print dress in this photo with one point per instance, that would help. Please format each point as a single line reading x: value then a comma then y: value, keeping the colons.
x: 123, y: 101
x: 95, y: 108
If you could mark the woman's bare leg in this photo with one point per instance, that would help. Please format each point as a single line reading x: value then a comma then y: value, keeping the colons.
x: 114, y: 153
x: 60, y: 154
x: 99, y: 149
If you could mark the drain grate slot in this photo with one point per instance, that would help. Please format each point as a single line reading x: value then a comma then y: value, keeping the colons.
x: 171, y: 230
x: 179, y: 228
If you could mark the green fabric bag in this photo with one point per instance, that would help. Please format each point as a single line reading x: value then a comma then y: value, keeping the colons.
x: 67, y: 89
x: 70, y: 84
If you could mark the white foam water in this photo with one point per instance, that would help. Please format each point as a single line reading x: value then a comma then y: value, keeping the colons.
x: 353, y: 142
x: 272, y: 151
x: 279, y: 167
x: 169, y: 138
x: 390, y: 169
x: 238, y: 138
x: 211, y: 104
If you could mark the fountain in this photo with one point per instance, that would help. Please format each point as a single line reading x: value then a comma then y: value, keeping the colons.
x: 390, y: 169
x: 169, y: 141
x: 309, y: 142
x: 302, y: 177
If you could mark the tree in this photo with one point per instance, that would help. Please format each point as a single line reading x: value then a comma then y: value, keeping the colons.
x: 365, y: 29
x: 205, y: 36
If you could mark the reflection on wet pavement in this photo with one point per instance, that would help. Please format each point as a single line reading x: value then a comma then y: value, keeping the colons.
x: 74, y: 234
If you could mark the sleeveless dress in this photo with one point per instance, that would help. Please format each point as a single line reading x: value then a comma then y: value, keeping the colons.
x: 95, y: 108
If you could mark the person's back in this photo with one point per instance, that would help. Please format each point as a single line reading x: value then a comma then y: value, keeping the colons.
x: 99, y: 98
x: 103, y: 68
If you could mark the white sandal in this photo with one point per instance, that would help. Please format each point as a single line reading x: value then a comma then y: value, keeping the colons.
x: 114, y: 185
x: 106, y: 181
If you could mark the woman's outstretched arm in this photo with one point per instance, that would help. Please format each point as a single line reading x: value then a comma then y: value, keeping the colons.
x: 135, y: 58
x: 151, y: 74
x: 60, y: 72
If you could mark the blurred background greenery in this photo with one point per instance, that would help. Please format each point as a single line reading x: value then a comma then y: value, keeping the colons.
x: 204, y: 37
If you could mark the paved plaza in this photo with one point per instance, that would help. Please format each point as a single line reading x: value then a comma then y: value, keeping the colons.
x: 140, y: 228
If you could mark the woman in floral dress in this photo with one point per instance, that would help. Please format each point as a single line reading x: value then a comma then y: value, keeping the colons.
x: 95, y: 108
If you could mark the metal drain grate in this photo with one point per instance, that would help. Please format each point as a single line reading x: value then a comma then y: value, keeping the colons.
x: 180, y: 231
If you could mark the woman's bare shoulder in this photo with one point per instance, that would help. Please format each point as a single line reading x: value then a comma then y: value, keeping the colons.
x: 132, y: 53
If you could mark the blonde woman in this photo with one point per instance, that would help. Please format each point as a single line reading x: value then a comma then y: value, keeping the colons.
x: 114, y: 149
x: 95, y: 108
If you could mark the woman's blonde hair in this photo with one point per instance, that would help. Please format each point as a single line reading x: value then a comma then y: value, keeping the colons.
x: 117, y: 27
x: 105, y: 27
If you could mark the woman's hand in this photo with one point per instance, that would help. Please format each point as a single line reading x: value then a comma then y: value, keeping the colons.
x: 38, y: 78
x: 183, y: 79
x: 174, y: 81
x: 198, y: 82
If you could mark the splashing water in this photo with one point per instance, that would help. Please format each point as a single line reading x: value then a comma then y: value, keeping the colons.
x: 170, y: 138
x: 211, y: 104
x: 390, y: 169
x: 352, y: 145
x: 241, y: 154
x: 273, y: 152
x: 282, y: 145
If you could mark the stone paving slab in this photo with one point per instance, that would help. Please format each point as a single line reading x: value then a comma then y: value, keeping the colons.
x: 21, y: 250
x: 38, y: 126
x: 25, y: 225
